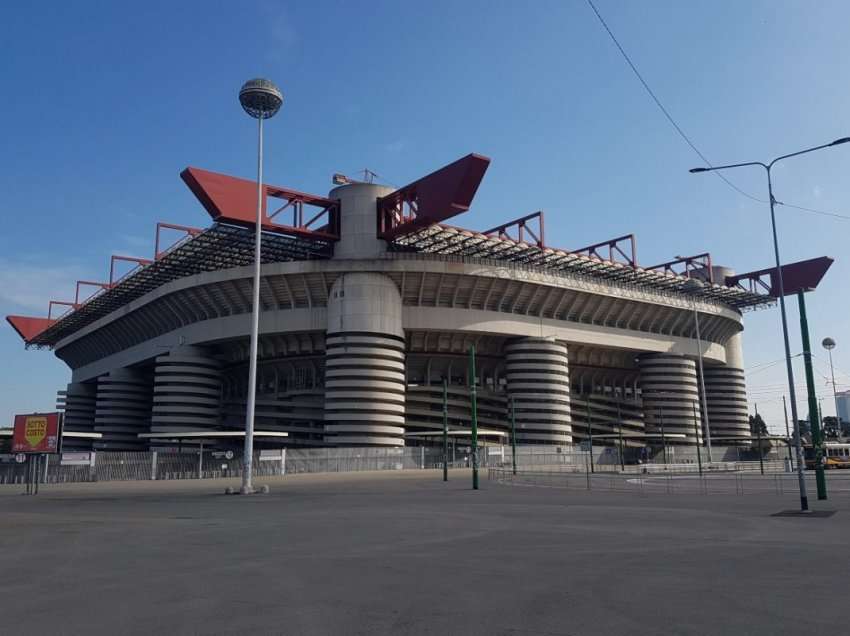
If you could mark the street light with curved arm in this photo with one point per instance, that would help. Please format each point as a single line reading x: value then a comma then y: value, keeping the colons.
x: 804, y: 503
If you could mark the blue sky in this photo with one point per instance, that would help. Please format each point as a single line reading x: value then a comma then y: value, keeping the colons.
x: 104, y: 103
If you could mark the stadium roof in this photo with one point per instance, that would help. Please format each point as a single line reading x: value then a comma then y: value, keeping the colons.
x: 411, y: 219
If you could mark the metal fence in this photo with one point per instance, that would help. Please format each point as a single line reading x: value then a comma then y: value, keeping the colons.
x: 190, y: 464
x: 745, y: 480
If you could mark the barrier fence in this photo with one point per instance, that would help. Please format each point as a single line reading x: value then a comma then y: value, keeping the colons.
x: 744, y: 480
x: 192, y: 464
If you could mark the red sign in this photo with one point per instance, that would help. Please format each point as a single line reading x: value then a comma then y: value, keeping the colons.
x: 37, y: 433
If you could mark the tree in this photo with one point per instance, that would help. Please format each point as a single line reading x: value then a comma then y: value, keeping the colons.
x: 831, y: 429
x: 758, y: 428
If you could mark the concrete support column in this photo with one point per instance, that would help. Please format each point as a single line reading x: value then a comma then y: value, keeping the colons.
x: 187, y: 391
x: 670, y: 392
x: 123, y: 409
x: 539, y: 383
x: 364, y: 363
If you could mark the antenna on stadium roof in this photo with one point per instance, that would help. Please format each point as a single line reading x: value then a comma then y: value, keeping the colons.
x: 368, y: 177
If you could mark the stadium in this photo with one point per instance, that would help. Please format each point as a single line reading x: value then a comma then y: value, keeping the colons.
x: 369, y: 301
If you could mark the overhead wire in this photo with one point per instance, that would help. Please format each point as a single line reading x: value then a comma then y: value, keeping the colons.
x: 687, y: 139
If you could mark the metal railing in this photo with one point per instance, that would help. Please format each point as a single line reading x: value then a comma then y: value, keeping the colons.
x: 745, y: 480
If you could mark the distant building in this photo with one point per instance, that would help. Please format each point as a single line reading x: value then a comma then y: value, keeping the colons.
x: 843, y: 400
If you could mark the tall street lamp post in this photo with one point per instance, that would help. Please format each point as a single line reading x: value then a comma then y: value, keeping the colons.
x: 261, y: 99
x: 804, y: 501
x: 693, y: 285
x: 829, y: 345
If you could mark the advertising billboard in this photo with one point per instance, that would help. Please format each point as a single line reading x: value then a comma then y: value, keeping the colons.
x: 37, y: 433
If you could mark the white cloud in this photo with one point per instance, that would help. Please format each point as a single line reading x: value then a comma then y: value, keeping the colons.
x: 281, y: 30
x: 31, y: 286
x: 394, y: 147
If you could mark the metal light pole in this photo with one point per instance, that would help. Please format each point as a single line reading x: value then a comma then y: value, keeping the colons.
x: 829, y: 345
x: 261, y: 99
x: 692, y: 285
x: 804, y: 500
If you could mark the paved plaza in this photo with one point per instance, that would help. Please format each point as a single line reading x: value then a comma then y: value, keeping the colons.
x: 401, y: 553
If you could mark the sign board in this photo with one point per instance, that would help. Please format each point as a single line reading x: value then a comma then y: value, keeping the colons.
x: 37, y: 433
x: 76, y: 459
x: 273, y: 455
x: 20, y: 458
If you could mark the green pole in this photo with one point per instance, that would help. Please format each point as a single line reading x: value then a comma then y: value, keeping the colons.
x: 590, y: 432
x: 445, y: 429
x: 620, y: 435
x: 513, y: 434
x: 758, y: 433
x: 817, y: 440
x: 696, y: 437
x: 474, y: 408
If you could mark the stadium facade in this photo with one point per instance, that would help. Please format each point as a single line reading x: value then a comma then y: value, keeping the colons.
x: 369, y: 300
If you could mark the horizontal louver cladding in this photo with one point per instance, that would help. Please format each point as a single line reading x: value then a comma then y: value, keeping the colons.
x: 726, y: 395
x: 187, y: 391
x: 670, y: 394
x: 539, y: 384
x: 364, y: 389
x: 123, y: 409
x: 78, y: 402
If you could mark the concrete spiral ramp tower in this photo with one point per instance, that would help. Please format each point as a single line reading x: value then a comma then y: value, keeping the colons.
x: 364, y: 364
x: 670, y: 397
x: 78, y: 402
x: 123, y: 409
x: 539, y: 383
x: 187, y: 391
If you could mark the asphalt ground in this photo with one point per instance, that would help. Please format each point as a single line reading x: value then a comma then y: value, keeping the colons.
x: 404, y: 553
